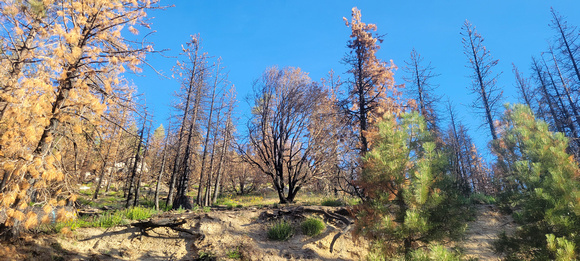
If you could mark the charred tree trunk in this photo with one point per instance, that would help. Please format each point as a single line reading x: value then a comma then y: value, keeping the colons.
x: 216, y: 190
x: 199, y: 200
x: 162, y: 169
x: 537, y: 69
x: 131, y: 180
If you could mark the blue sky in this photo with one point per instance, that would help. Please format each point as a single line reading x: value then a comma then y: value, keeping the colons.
x: 253, y: 35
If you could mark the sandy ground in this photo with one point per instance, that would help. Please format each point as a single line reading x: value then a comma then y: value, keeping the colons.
x: 225, y: 231
x: 482, y: 232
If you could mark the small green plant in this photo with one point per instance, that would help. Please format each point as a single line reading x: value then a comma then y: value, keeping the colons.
x: 138, y: 213
x: 206, y: 209
x: 435, y: 252
x: 480, y: 198
x: 109, y: 220
x: 312, y: 226
x: 180, y: 210
x: 205, y: 256
x: 281, y: 230
x: 234, y: 254
x: 332, y: 202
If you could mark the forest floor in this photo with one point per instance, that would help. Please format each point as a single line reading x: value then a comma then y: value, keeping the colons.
x: 232, y: 233
x: 235, y: 234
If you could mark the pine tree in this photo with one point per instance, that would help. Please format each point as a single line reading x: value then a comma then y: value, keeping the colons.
x: 371, y: 90
x: 546, y: 189
x: 403, y: 184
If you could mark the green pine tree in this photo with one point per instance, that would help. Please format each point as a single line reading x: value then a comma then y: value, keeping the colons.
x: 541, y: 180
x: 404, y: 181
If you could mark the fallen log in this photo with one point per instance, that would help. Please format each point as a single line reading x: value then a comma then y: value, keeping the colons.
x: 172, y: 223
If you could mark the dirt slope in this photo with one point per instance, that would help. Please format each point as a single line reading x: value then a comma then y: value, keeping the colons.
x: 224, y: 231
x: 228, y: 231
x: 482, y: 232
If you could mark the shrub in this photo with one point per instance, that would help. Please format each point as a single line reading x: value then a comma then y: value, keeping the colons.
x: 281, y: 230
x: 332, y: 202
x: 312, y: 226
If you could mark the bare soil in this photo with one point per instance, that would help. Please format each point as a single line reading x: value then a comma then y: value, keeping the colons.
x: 225, y: 232
x: 481, y: 233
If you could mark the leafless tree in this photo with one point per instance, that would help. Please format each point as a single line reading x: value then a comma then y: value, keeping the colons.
x: 421, y: 89
x: 280, y: 132
x: 484, y: 80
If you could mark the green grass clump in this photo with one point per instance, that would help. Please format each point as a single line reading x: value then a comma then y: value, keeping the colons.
x: 281, y: 230
x: 480, y: 198
x: 138, y: 213
x: 106, y: 220
x: 332, y: 202
x: 234, y: 254
x: 109, y: 220
x: 206, y: 256
x: 312, y: 226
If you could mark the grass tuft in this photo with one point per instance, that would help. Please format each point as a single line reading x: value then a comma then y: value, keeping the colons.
x: 332, y: 202
x: 312, y: 226
x: 138, y: 213
x: 281, y: 230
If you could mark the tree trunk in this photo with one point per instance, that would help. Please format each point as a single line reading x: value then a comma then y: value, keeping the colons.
x: 568, y: 49
x: 162, y: 169
x: 134, y: 170
x: 567, y: 92
x: 563, y: 108
x: 544, y: 89
x: 138, y: 187
x: 206, y: 142
x: 216, y: 190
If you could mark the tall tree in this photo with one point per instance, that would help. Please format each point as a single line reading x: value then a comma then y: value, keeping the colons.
x: 484, y: 80
x: 279, y: 131
x: 545, y: 94
x: 162, y: 167
x: 219, y: 80
x: 547, y: 200
x: 523, y: 87
x: 371, y: 90
x: 402, y: 183
x: 193, y: 73
x: 227, y: 135
x: 79, y: 57
x: 567, y: 39
x: 421, y: 89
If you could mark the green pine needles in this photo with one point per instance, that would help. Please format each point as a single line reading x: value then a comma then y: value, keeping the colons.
x: 404, y: 180
x: 541, y: 186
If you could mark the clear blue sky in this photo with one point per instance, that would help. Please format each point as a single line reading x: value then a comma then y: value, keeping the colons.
x: 253, y: 35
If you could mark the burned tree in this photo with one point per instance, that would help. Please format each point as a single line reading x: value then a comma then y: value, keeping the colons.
x: 279, y: 133
x: 484, y: 80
